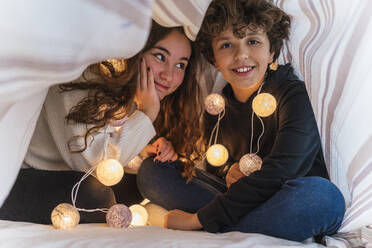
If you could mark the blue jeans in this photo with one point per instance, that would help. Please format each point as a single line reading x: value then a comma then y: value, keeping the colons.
x: 304, y: 207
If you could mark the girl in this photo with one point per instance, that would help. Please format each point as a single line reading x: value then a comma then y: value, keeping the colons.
x: 116, y: 105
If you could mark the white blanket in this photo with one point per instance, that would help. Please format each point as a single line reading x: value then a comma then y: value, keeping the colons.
x: 19, y: 235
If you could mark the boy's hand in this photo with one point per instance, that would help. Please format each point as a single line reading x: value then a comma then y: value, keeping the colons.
x: 233, y: 175
x: 180, y: 220
x: 146, y: 97
x: 164, y: 150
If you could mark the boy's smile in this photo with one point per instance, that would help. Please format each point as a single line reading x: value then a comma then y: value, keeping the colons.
x: 242, y: 62
x: 243, y: 69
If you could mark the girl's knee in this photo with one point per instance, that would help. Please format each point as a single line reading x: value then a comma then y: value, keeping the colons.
x: 148, y: 176
x: 146, y: 167
x: 145, y: 172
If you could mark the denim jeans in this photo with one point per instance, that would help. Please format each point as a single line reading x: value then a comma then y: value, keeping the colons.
x: 302, y: 208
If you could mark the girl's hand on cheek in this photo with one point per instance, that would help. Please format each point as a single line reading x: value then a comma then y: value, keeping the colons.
x: 147, y: 98
x: 164, y: 150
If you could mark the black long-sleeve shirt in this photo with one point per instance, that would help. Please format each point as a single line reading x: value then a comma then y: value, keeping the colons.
x: 290, y: 147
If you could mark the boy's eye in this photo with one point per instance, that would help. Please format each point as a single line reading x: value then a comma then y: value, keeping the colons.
x: 225, y: 45
x: 253, y: 42
x: 159, y: 56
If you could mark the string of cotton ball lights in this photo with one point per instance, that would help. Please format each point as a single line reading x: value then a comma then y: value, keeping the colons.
x: 109, y: 172
x: 263, y: 105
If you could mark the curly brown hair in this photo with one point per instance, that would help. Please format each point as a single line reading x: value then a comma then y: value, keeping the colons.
x: 111, y: 96
x: 242, y: 15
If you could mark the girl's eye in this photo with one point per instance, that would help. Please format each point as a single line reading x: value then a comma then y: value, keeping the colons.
x: 181, y: 66
x: 226, y: 45
x: 159, y: 56
x: 253, y: 42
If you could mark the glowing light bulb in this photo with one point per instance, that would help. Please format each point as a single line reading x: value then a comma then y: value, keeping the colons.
x: 139, y: 215
x: 249, y: 163
x: 65, y: 216
x: 119, y: 216
x: 217, y: 155
x: 214, y: 104
x: 264, y: 104
x: 110, y: 172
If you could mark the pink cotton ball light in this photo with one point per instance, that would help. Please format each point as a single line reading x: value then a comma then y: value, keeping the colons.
x: 214, y: 104
x: 250, y: 163
x: 119, y: 216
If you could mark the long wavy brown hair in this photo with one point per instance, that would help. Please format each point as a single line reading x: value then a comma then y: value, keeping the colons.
x: 111, y: 96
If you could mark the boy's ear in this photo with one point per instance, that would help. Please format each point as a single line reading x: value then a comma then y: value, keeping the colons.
x: 272, y: 57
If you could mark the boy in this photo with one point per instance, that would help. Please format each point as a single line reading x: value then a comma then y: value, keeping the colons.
x: 291, y: 196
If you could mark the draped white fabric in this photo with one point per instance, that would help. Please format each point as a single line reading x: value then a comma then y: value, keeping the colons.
x: 46, y: 42
x: 331, y: 48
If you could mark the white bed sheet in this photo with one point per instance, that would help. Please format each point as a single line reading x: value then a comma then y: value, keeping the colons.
x: 21, y: 234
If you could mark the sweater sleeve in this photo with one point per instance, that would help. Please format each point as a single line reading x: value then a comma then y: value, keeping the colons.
x: 136, y: 133
x: 122, y: 144
x: 294, y: 149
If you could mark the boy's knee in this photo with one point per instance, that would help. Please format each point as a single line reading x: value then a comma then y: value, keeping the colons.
x: 324, y: 194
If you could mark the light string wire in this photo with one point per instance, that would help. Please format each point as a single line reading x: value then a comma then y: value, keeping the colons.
x: 76, y: 187
x: 214, y: 132
x: 262, y: 124
x: 216, y: 129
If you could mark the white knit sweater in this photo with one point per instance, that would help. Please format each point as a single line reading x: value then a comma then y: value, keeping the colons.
x: 48, y: 149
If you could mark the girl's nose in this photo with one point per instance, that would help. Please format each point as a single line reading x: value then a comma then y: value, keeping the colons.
x: 166, y: 74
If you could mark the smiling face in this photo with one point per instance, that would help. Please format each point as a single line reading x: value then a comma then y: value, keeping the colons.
x: 242, y: 62
x: 168, y: 60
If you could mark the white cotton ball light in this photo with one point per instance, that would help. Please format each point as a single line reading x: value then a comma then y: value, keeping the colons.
x: 139, y: 215
x: 119, y: 216
x: 109, y: 172
x: 250, y: 163
x: 214, y: 104
x: 264, y: 104
x: 65, y: 216
x: 217, y: 155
